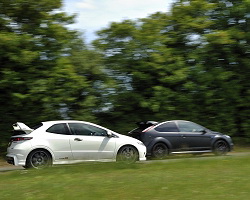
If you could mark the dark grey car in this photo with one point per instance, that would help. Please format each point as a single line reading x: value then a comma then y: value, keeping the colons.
x: 179, y: 136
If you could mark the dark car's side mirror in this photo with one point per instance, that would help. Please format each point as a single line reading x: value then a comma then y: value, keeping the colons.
x: 203, y: 131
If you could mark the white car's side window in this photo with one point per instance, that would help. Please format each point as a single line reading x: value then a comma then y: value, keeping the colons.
x: 97, y: 131
x: 86, y: 129
x: 58, y: 129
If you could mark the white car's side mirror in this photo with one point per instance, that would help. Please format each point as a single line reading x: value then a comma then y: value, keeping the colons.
x: 109, y: 134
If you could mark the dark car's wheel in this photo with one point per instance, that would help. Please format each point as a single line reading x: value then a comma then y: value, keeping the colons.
x: 220, y: 148
x: 160, y: 151
x: 38, y: 159
x: 127, y: 154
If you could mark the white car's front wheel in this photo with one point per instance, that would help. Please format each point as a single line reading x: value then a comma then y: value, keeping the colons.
x: 127, y: 154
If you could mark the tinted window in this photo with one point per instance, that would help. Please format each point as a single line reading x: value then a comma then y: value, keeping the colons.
x: 189, y: 127
x: 37, y: 126
x: 86, y: 129
x: 15, y: 132
x: 167, y: 127
x: 59, y: 129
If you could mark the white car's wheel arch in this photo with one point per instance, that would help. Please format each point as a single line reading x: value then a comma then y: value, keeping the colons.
x: 126, y: 145
x: 42, y: 148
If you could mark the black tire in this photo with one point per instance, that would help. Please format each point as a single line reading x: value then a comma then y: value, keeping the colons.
x: 160, y: 151
x: 220, y: 148
x: 127, y: 154
x: 38, y: 159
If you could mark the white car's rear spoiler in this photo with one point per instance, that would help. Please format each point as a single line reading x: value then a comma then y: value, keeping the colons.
x: 19, y: 126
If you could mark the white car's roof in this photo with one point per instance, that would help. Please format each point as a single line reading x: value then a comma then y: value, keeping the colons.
x: 64, y: 121
x: 49, y: 123
x: 67, y: 121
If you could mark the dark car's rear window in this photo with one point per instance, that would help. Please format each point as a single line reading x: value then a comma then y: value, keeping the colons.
x: 167, y: 127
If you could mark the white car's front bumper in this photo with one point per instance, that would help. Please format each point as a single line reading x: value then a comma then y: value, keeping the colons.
x: 142, y: 153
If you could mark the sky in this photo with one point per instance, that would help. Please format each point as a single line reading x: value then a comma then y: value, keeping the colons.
x: 94, y: 15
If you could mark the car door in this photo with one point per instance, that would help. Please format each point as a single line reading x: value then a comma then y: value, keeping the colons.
x: 58, y: 136
x: 89, y: 142
x: 170, y: 132
x: 193, y: 136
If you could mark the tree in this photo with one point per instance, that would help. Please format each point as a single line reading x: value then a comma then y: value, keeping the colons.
x: 222, y: 56
x: 191, y: 63
x: 150, y: 75
x: 47, y: 72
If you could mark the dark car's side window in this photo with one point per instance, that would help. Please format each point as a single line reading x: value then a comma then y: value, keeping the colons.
x: 58, y: 129
x: 167, y: 127
x: 86, y: 129
x: 189, y: 127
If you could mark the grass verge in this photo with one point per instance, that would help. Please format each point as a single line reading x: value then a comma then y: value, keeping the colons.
x: 220, y: 178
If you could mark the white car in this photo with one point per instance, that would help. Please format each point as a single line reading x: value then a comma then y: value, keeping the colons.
x: 68, y: 141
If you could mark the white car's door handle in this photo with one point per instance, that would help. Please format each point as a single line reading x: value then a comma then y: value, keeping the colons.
x: 78, y: 139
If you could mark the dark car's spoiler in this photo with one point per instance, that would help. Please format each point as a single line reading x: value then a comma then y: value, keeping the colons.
x: 141, y: 126
x: 146, y: 124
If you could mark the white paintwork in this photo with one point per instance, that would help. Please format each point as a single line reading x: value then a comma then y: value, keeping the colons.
x: 19, y: 126
x: 93, y: 147
x: 65, y: 149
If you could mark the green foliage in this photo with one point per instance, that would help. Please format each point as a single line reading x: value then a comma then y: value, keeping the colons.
x: 191, y: 63
x: 47, y: 72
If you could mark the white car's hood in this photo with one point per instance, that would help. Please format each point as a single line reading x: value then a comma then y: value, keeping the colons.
x: 128, y: 138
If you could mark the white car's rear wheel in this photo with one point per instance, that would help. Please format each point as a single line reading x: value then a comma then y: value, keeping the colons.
x: 38, y: 159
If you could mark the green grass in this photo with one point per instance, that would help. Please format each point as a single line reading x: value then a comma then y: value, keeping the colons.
x: 207, y: 178
x: 241, y: 148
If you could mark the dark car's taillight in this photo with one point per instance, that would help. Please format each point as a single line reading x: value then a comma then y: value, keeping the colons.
x: 15, y: 139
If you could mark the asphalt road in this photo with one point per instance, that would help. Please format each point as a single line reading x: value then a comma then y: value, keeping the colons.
x: 172, y: 158
x: 10, y: 168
